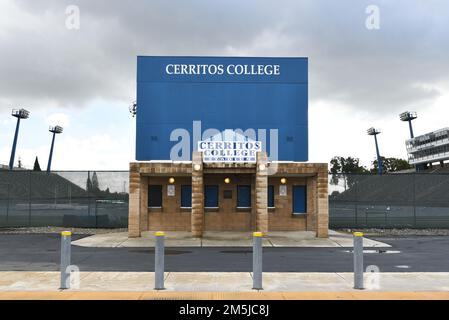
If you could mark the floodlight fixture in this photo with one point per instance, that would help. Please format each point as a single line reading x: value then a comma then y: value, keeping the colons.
x: 55, y: 129
x: 133, y: 108
x: 20, y: 113
x: 409, y: 116
x: 373, y: 131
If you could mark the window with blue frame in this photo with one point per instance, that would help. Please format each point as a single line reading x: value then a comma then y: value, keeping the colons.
x: 186, y: 196
x: 299, y: 200
x: 211, y: 196
x: 243, y: 196
x: 270, y: 196
x: 155, y: 196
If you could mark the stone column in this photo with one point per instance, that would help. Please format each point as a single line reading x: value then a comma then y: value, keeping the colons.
x: 143, y: 203
x: 311, y: 203
x: 134, y: 201
x: 197, y: 218
x: 322, y: 224
x: 261, y: 193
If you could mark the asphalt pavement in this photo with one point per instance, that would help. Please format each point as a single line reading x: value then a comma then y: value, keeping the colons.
x: 40, y: 252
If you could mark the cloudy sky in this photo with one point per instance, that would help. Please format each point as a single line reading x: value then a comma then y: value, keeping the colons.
x: 84, y: 79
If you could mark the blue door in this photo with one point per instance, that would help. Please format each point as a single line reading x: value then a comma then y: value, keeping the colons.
x: 244, y: 196
x: 186, y: 196
x: 155, y: 196
x: 299, y: 200
x: 211, y: 196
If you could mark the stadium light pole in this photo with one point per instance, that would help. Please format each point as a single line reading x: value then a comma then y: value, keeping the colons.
x: 374, y: 132
x: 19, y: 114
x: 409, y: 116
x: 54, y: 130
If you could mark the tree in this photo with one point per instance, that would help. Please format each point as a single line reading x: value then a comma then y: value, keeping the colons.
x: 341, y: 167
x: 95, y: 185
x: 391, y: 165
x: 36, y: 167
x: 346, y: 165
x: 88, y: 184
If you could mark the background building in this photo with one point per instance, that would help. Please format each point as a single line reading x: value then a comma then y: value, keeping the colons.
x: 429, y: 148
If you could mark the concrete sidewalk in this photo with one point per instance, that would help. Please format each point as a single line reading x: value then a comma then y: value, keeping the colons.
x: 14, y: 281
x: 259, y: 295
x: 225, y: 239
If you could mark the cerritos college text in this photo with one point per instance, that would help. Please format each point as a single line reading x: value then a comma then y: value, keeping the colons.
x: 231, y: 69
x: 222, y: 145
x: 229, y: 151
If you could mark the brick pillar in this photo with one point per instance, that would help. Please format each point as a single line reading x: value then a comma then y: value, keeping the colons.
x: 134, y: 201
x: 197, y: 218
x: 322, y: 224
x: 311, y: 204
x: 143, y: 203
x: 261, y: 193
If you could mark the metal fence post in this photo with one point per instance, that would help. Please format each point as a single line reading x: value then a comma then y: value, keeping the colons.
x: 96, y: 216
x: 414, y: 200
x: 65, y: 259
x: 88, y: 187
x: 356, y: 204
x: 159, y: 261
x: 257, y: 260
x: 29, y: 200
x: 7, y: 204
x: 358, y: 260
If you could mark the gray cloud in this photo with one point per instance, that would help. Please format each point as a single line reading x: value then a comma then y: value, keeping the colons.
x: 404, y: 63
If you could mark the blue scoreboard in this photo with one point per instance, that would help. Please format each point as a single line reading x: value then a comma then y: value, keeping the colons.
x: 184, y: 100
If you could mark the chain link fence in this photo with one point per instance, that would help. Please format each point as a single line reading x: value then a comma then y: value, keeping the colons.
x: 91, y: 199
x: 389, y: 201
x: 99, y: 199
